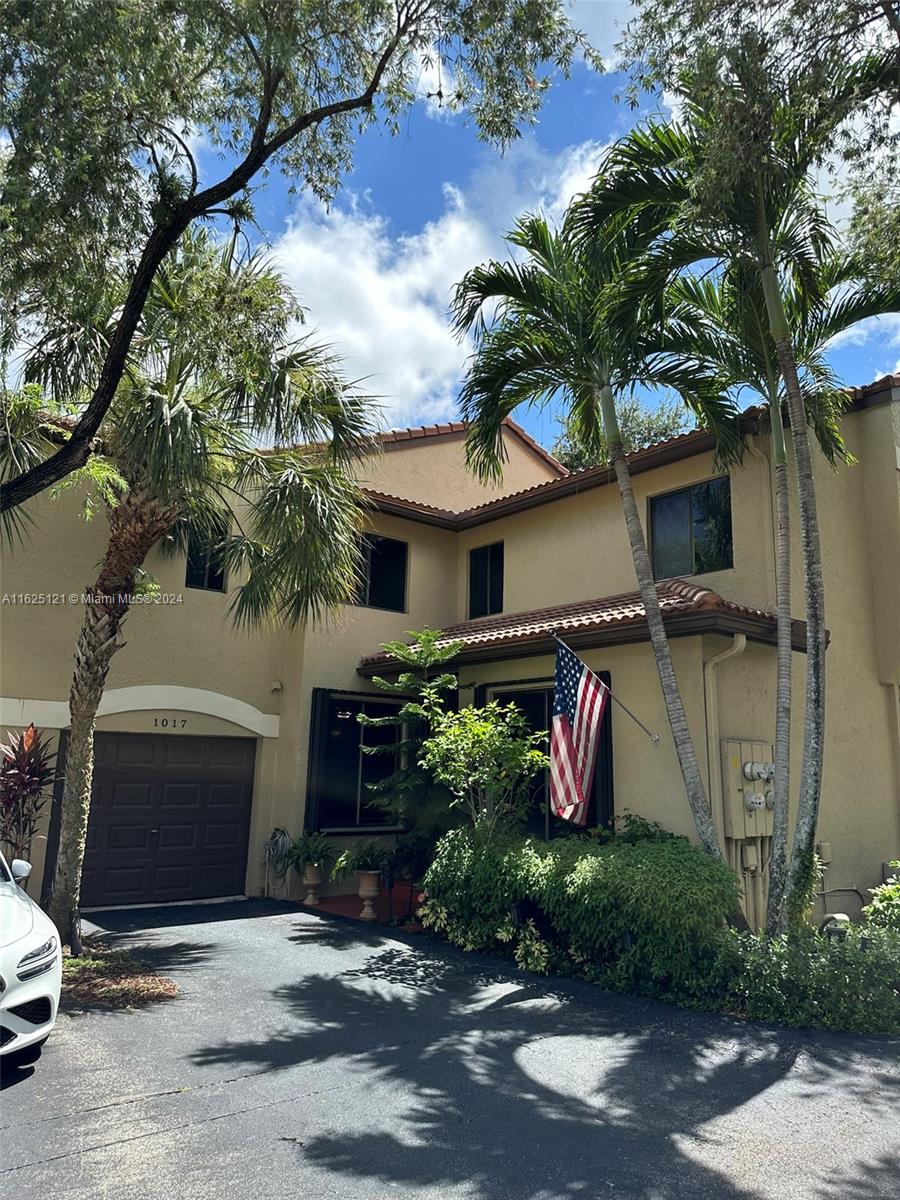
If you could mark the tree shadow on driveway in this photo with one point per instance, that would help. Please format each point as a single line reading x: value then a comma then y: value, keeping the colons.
x: 517, y: 1089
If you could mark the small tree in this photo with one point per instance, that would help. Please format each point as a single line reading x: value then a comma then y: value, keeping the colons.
x: 27, y: 772
x: 104, y: 105
x: 411, y: 794
x: 487, y: 758
x: 639, y: 427
x: 210, y: 380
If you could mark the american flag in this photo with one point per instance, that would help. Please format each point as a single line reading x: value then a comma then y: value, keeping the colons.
x: 579, y: 703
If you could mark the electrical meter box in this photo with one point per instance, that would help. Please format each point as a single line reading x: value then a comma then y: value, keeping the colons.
x: 748, y: 781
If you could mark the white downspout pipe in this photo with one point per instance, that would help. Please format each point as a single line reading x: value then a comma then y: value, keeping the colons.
x: 711, y: 702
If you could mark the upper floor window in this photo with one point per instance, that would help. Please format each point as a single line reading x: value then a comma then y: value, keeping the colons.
x: 383, y: 582
x: 202, y: 569
x: 690, y: 530
x: 486, y: 580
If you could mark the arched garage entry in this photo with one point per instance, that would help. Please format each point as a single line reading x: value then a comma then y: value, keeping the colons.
x: 170, y: 809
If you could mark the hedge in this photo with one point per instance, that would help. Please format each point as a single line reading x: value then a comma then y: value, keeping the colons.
x: 649, y: 915
x: 635, y: 916
x: 851, y: 982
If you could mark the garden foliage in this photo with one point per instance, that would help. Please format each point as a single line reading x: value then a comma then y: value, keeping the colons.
x: 27, y: 773
x: 649, y: 915
x: 884, y: 911
x: 850, y: 982
x: 635, y: 916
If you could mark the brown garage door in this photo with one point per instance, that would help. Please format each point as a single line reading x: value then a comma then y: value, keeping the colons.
x: 170, y: 818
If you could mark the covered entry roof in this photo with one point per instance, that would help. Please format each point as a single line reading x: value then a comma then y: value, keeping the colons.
x: 608, y: 620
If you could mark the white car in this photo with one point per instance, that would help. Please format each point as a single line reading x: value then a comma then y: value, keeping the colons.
x: 30, y: 967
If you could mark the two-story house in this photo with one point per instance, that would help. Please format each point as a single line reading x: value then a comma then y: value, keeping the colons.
x: 208, y: 738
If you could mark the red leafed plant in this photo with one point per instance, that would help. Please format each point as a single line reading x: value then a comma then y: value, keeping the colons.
x: 27, y: 772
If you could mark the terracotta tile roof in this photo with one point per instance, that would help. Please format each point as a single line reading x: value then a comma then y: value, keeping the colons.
x: 399, y: 506
x: 417, y: 433
x: 686, y: 608
x: 698, y: 441
x: 683, y: 445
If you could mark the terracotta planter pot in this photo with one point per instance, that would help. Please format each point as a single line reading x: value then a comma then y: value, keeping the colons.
x: 312, y: 881
x: 369, y: 888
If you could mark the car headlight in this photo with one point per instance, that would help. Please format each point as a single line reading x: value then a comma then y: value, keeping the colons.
x: 36, y: 961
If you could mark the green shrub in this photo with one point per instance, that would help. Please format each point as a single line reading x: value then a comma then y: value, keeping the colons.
x: 472, y: 885
x: 649, y: 916
x: 643, y: 916
x: 850, y: 983
x: 884, y: 911
x: 487, y: 758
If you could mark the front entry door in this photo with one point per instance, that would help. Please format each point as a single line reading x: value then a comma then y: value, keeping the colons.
x: 536, y: 703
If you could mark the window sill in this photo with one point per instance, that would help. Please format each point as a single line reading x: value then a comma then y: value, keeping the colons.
x: 349, y: 831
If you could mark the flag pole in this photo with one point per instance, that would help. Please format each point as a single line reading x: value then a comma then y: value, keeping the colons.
x: 654, y: 737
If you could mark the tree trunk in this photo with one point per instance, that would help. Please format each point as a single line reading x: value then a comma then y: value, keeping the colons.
x: 781, y: 786
x: 136, y: 524
x: 799, y: 869
x: 684, y: 746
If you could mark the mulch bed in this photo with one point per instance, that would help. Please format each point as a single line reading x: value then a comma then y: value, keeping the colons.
x: 105, y: 978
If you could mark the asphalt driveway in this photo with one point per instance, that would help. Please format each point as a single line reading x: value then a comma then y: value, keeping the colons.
x: 311, y: 1058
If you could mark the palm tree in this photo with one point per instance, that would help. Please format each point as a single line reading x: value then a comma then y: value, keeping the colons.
x: 558, y: 330
x: 663, y: 181
x: 721, y: 323
x: 210, y: 377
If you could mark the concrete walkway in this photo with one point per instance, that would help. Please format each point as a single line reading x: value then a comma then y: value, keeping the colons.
x: 310, y: 1058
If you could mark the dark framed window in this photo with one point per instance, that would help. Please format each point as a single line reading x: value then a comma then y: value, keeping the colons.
x: 338, y: 796
x: 535, y: 699
x: 202, y: 569
x: 383, y: 583
x: 486, y: 580
x: 690, y: 530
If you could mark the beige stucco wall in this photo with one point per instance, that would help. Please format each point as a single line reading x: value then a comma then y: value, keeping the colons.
x: 572, y: 549
x: 191, y: 644
x: 177, y: 643
x: 432, y: 471
x: 577, y: 548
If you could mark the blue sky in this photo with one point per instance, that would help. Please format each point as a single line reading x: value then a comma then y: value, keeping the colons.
x: 375, y: 272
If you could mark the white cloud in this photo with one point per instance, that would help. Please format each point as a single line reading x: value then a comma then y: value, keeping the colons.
x: 602, y: 22
x: 884, y: 329
x: 382, y: 300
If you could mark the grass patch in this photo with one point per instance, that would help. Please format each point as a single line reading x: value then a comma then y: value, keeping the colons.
x: 107, y: 978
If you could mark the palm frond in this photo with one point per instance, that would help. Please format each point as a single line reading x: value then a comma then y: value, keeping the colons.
x: 299, y: 557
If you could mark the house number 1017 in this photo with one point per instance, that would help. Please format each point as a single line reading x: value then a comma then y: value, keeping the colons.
x: 169, y: 722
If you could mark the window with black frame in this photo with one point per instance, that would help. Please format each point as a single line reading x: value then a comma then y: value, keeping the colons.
x: 486, y: 580
x: 383, y: 574
x: 339, y: 799
x: 536, y: 704
x: 690, y: 530
x: 203, y: 571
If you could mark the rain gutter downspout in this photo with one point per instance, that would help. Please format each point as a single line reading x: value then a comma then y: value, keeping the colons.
x: 711, y: 701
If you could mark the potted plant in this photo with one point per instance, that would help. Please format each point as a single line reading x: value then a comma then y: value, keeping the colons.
x: 368, y: 859
x: 310, y: 854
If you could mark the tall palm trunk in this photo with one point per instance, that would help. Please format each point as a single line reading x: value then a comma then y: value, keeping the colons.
x: 135, y: 525
x: 684, y: 746
x: 781, y: 786
x: 799, y: 872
